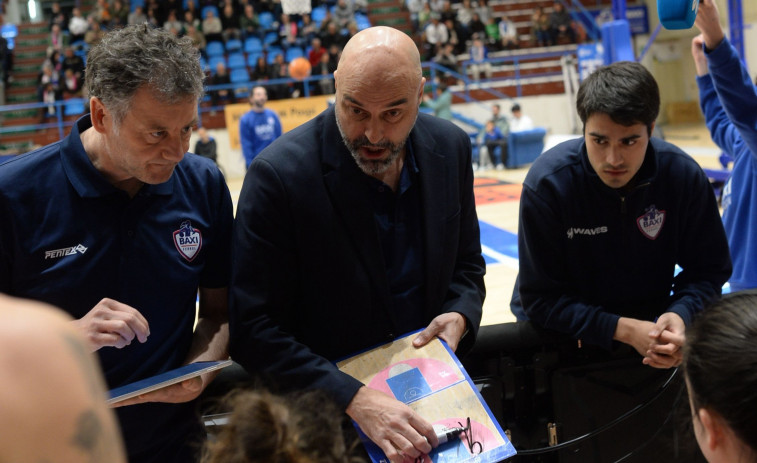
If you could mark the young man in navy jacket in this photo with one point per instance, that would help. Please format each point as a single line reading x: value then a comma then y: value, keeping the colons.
x: 605, y: 220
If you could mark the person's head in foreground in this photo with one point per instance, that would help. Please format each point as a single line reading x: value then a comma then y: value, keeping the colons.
x: 720, y: 365
x: 266, y: 428
x: 379, y: 89
x: 618, y: 105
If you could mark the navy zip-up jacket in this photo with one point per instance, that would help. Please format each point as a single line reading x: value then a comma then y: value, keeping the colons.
x: 590, y: 254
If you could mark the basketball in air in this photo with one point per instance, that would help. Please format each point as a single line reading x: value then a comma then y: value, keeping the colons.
x: 299, y: 68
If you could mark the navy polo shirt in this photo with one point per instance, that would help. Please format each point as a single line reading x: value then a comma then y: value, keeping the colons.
x: 70, y: 238
x: 399, y: 221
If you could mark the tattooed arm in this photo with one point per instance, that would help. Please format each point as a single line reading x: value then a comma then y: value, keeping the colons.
x: 52, y: 393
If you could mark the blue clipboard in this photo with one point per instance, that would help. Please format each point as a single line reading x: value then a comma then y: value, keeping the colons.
x: 162, y: 380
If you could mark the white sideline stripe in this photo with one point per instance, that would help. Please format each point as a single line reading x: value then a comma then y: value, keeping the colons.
x: 501, y: 258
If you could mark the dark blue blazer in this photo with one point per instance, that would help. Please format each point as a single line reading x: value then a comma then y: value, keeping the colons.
x: 309, y: 285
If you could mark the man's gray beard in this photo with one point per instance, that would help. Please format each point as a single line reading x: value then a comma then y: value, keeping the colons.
x: 367, y: 166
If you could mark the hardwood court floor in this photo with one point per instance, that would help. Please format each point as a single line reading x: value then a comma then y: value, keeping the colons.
x: 498, y: 200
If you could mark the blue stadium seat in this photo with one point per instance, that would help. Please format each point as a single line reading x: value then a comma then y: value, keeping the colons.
x: 240, y: 76
x: 209, y: 7
x: 213, y: 62
x: 204, y: 64
x: 266, y: 20
x: 233, y: 45
x: 73, y: 107
x: 318, y: 14
x: 214, y: 48
x: 272, y: 52
x: 252, y: 59
x: 270, y: 37
x: 292, y: 53
x: 185, y: 2
x: 253, y: 45
x: 237, y: 61
x: 362, y: 21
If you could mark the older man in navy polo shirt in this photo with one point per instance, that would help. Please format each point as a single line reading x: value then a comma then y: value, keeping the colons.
x: 119, y: 227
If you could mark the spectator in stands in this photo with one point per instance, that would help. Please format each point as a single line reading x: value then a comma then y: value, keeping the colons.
x: 287, y: 32
x: 479, y: 55
x: 230, y: 23
x: 57, y: 40
x: 720, y: 362
x: 477, y: 27
x: 308, y: 30
x: 495, y: 143
x: 265, y: 428
x: 436, y: 35
x: 436, y: 6
x: 334, y: 54
x: 220, y: 77
x: 325, y: 67
x: 343, y: 13
x: 77, y: 26
x: 332, y: 35
x: 5, y: 60
x: 152, y: 17
x: 280, y: 70
x: 172, y: 24
x: 167, y: 6
x: 70, y: 85
x: 258, y: 127
x: 351, y: 30
x: 562, y: 23
x: 496, y: 156
x: 48, y: 76
x: 197, y: 37
x: 465, y: 14
x: 192, y: 10
x: 120, y: 14
x: 484, y: 10
x: 455, y: 33
x: 49, y: 94
x: 492, y: 33
x: 249, y: 23
x: 729, y: 102
x: 206, y: 145
x: 58, y: 16
x: 94, y: 34
x: 448, y: 12
x: 414, y: 7
x: 316, y: 52
x: 541, y: 27
x: 447, y: 58
x: 101, y: 13
x: 424, y: 16
x: 442, y: 104
x: 191, y: 20
x: 137, y: 16
x: 74, y: 62
x: 211, y: 26
x: 508, y: 34
x: 519, y: 122
x: 54, y: 61
x: 261, y: 71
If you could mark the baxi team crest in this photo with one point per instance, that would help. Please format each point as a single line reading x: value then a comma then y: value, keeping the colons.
x: 651, y: 222
x: 188, y: 240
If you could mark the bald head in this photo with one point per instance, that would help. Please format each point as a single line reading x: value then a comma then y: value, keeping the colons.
x: 379, y: 53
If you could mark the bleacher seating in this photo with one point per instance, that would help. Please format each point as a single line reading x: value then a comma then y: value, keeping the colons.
x: 292, y: 53
x: 206, y: 8
x: 266, y: 20
x: 233, y: 45
x: 74, y: 107
x: 214, y: 49
x: 214, y: 60
x: 253, y: 45
x: 237, y: 61
x: 252, y: 59
x: 240, y: 76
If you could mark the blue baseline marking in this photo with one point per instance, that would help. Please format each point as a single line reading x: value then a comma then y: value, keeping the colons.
x: 502, y: 242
